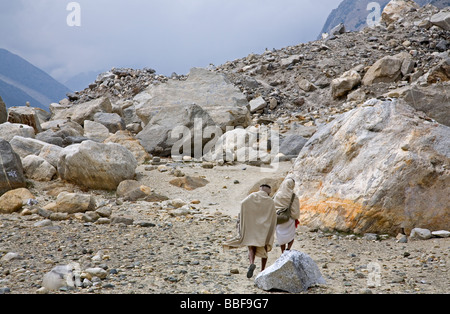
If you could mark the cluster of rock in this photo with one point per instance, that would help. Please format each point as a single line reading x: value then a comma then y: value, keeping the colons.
x: 120, y: 84
x: 425, y: 234
x: 69, y: 277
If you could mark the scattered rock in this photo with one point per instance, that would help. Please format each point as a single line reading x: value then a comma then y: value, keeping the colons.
x: 387, y: 69
x: 95, y: 131
x: 122, y: 220
x: 257, y: 104
x: 74, y: 203
x: 306, y: 85
x: 89, y: 273
x: 131, y: 190
x: 127, y: 140
x: 420, y: 234
x: 401, y: 238
x: 344, y: 84
x: 10, y: 256
x: 432, y: 100
x: 441, y: 234
x: 13, y: 201
x: 26, y: 146
x: 189, y: 183
x: 112, y: 121
x: 43, y: 223
x: 292, y: 145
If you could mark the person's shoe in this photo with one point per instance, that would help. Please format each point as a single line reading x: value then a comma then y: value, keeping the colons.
x: 251, y: 269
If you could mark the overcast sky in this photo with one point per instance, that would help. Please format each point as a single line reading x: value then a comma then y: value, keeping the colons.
x: 166, y: 35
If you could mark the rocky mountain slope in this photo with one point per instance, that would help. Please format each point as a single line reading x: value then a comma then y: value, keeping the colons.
x: 22, y: 82
x: 146, y: 163
x: 296, y: 81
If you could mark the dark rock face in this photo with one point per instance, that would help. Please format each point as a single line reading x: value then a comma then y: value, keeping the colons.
x: 11, y: 171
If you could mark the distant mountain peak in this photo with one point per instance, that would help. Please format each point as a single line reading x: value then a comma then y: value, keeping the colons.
x: 21, y: 81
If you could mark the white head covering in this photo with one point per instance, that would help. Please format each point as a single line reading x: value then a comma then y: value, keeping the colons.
x: 284, y: 195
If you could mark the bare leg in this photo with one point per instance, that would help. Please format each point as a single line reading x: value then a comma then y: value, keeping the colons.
x: 263, y: 263
x: 283, y: 247
x: 290, y: 244
x: 251, y: 254
x: 251, y: 257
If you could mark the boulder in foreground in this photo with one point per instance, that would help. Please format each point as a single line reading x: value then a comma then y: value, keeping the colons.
x: 293, y: 272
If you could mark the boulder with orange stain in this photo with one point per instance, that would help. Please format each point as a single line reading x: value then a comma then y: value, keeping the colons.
x: 379, y: 168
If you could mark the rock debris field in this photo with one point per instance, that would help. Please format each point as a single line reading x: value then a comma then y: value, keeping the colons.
x: 151, y: 250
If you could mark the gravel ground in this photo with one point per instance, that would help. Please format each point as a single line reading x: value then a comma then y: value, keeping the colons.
x: 163, y: 253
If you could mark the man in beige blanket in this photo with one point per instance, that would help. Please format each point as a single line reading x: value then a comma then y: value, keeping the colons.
x: 257, y: 223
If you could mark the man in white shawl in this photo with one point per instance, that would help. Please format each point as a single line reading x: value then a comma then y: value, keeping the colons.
x: 286, y: 232
x: 257, y: 223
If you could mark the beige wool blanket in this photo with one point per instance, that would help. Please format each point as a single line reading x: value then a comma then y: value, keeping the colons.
x: 257, y: 224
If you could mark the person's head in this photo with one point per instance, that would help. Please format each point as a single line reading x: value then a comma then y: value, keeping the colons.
x: 290, y: 182
x: 266, y: 188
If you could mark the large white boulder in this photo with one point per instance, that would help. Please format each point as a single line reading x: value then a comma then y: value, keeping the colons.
x: 293, y: 272
x: 63, y: 276
x: 37, y: 168
x: 96, y: 165
x: 379, y: 168
x: 387, y: 69
x: 205, y: 95
x: 9, y: 130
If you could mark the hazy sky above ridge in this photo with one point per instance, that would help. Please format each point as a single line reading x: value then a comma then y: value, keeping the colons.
x: 166, y: 35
